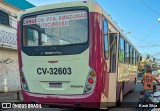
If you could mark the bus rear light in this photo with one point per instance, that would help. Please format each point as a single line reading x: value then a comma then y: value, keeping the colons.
x: 90, y: 80
x: 92, y: 73
x: 25, y: 86
x: 23, y: 80
x: 88, y: 87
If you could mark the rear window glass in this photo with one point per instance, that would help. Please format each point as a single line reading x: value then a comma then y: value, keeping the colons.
x: 53, y: 29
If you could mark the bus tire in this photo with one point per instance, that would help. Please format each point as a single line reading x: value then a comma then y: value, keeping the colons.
x: 120, y: 100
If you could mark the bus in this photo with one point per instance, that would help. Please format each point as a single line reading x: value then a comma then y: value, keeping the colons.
x: 73, y: 54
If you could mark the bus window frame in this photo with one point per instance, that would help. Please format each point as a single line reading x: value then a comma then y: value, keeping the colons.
x: 119, y: 48
x: 136, y: 57
x: 131, y: 54
x: 85, y: 45
x: 127, y: 52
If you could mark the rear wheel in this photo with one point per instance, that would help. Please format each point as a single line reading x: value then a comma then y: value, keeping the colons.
x: 120, y: 100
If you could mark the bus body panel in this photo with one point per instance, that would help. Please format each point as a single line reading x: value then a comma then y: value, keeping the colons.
x: 91, y: 100
x: 112, y: 87
x: 93, y: 49
x: 127, y: 76
x: 38, y: 74
x: 85, y: 101
x: 96, y: 56
x: 93, y: 97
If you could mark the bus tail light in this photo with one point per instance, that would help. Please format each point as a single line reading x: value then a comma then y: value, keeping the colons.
x: 23, y: 81
x: 88, y: 87
x: 92, y: 73
x: 90, y: 82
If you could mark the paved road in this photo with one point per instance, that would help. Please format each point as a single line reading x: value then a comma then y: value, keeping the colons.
x: 131, y: 97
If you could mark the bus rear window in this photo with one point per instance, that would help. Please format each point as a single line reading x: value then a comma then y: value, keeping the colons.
x: 54, y: 29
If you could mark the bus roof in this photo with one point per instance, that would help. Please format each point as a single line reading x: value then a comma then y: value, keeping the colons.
x: 54, y: 6
x: 90, y: 3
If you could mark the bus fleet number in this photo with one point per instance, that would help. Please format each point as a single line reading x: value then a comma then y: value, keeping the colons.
x: 54, y: 71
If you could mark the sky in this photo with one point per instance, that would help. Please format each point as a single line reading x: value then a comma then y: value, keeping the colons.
x: 138, y: 19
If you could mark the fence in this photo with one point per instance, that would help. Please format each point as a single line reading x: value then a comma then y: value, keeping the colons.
x: 8, y: 40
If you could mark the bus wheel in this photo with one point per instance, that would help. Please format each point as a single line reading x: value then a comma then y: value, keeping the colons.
x: 120, y: 100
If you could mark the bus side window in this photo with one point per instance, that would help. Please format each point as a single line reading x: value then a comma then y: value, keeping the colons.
x: 121, y: 50
x: 131, y: 56
x: 105, y: 39
x: 134, y: 59
x: 126, y: 53
x: 136, y: 56
x: 32, y: 37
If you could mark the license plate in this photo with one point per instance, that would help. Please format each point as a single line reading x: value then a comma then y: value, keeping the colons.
x: 55, y: 85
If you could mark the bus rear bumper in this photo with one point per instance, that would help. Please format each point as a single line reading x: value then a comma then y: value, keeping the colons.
x: 84, y: 101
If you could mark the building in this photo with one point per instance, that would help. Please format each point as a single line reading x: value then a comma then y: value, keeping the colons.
x: 8, y: 42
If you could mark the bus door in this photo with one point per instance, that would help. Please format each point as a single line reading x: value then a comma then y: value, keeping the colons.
x: 113, y: 52
x: 112, y: 66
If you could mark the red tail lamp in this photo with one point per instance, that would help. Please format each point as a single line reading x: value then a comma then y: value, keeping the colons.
x: 23, y: 80
x: 90, y: 80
